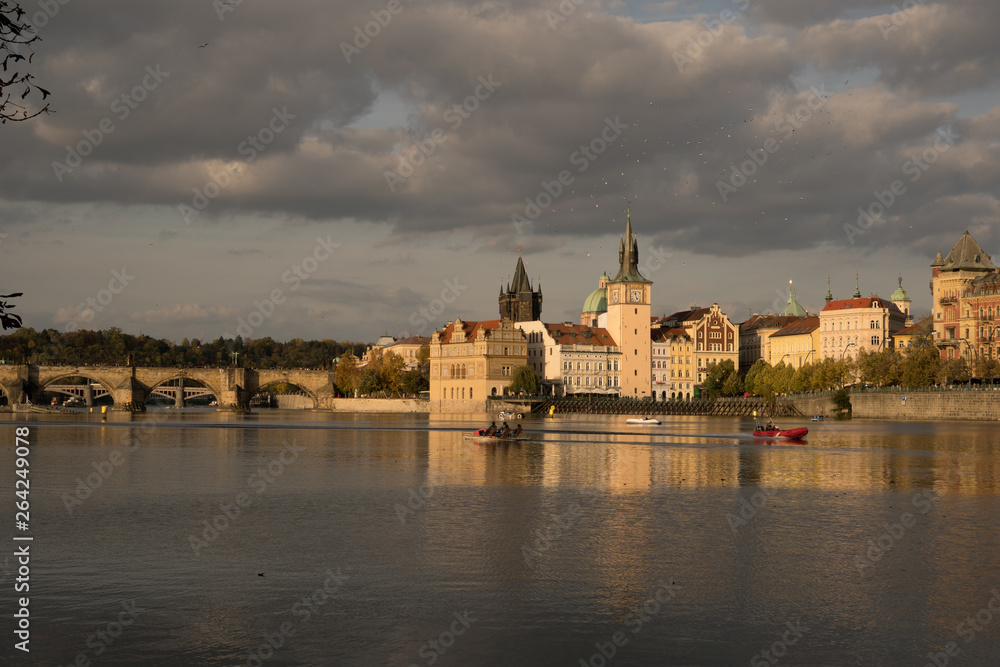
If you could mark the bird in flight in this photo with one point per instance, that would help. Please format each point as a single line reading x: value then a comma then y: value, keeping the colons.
x: 203, y: 45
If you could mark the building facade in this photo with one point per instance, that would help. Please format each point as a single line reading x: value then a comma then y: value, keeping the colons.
x: 470, y: 361
x: 964, y: 301
x: 848, y: 326
x: 797, y: 344
x: 573, y: 358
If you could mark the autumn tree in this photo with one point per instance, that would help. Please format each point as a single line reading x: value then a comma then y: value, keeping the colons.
x: 347, y: 374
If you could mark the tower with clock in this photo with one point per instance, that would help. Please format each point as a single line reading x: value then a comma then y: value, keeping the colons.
x: 628, y: 317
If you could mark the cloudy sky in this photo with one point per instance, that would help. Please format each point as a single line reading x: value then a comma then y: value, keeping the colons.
x: 376, y: 166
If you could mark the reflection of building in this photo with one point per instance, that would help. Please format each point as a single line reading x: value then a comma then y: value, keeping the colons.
x: 796, y: 344
x: 472, y: 360
x: 966, y: 302
x: 573, y: 358
x: 628, y: 317
x: 520, y: 303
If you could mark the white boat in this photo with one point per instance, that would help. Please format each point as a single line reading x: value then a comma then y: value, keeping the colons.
x: 643, y: 420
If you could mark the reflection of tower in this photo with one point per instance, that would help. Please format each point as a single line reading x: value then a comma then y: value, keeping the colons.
x: 519, y: 303
x: 628, y: 317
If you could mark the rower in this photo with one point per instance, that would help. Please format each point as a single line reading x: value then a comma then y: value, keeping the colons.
x: 517, y: 431
x: 491, y: 430
x: 504, y: 430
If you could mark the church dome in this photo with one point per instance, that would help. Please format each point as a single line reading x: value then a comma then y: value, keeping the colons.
x: 900, y: 293
x: 597, y: 302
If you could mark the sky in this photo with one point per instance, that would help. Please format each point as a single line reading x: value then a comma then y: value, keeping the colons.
x: 345, y: 169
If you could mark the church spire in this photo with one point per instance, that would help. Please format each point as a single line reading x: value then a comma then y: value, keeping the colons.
x: 829, y: 294
x: 628, y: 255
x: 857, y: 289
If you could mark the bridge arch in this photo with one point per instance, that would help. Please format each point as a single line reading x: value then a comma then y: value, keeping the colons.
x: 187, y: 378
x: 78, y: 373
x: 305, y: 390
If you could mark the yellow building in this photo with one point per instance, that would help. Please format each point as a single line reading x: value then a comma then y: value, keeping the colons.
x: 797, y: 344
x: 715, y: 338
x: 470, y: 361
x: 683, y: 371
x: 628, y: 319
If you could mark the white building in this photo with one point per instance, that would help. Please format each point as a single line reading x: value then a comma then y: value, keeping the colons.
x: 573, y: 358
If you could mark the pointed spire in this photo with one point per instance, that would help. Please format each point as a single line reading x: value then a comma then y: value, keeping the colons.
x: 829, y: 294
x: 857, y: 289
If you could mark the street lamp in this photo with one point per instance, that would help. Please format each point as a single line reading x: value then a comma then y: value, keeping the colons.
x: 850, y: 344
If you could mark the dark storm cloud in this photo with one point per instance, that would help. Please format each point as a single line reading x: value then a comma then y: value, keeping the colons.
x: 659, y: 113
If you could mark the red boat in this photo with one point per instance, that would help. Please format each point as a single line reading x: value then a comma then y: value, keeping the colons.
x: 788, y: 433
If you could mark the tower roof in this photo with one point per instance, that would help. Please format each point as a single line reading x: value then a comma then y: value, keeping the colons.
x: 900, y: 293
x: 628, y: 257
x: 938, y: 260
x: 794, y: 307
x: 967, y: 256
x: 520, y: 282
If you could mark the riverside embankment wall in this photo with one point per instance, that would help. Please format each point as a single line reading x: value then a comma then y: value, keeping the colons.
x: 377, y: 405
x: 981, y: 405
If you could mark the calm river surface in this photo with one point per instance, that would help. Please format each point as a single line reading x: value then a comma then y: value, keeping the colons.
x: 392, y: 540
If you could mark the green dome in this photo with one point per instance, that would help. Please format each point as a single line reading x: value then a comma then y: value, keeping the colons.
x: 900, y: 293
x: 794, y: 308
x: 597, y: 302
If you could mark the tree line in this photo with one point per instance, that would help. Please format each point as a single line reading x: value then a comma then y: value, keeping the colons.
x: 112, y: 347
x: 920, y: 365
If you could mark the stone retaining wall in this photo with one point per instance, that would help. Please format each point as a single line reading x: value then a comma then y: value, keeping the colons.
x: 918, y: 406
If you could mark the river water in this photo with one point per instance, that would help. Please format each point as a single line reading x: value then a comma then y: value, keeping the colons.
x: 198, y: 538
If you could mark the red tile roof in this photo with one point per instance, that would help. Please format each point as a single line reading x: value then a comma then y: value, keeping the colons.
x: 472, y: 330
x: 864, y: 302
x: 579, y: 334
x: 665, y: 334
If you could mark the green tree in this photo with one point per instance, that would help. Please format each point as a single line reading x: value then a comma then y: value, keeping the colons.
x: 414, y: 383
x: 956, y: 370
x: 921, y: 366
x: 881, y: 368
x: 733, y: 386
x: 753, y: 375
x: 524, y: 380
x: 716, y: 377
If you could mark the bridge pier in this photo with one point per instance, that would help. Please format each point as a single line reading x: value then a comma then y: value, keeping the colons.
x: 179, y: 396
x: 88, y: 395
x: 129, y: 396
x: 235, y: 396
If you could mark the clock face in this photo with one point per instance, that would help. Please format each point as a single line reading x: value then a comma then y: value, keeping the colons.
x: 614, y: 296
x: 636, y: 296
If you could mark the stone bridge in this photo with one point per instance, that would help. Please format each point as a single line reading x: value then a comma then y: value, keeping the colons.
x: 129, y: 386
